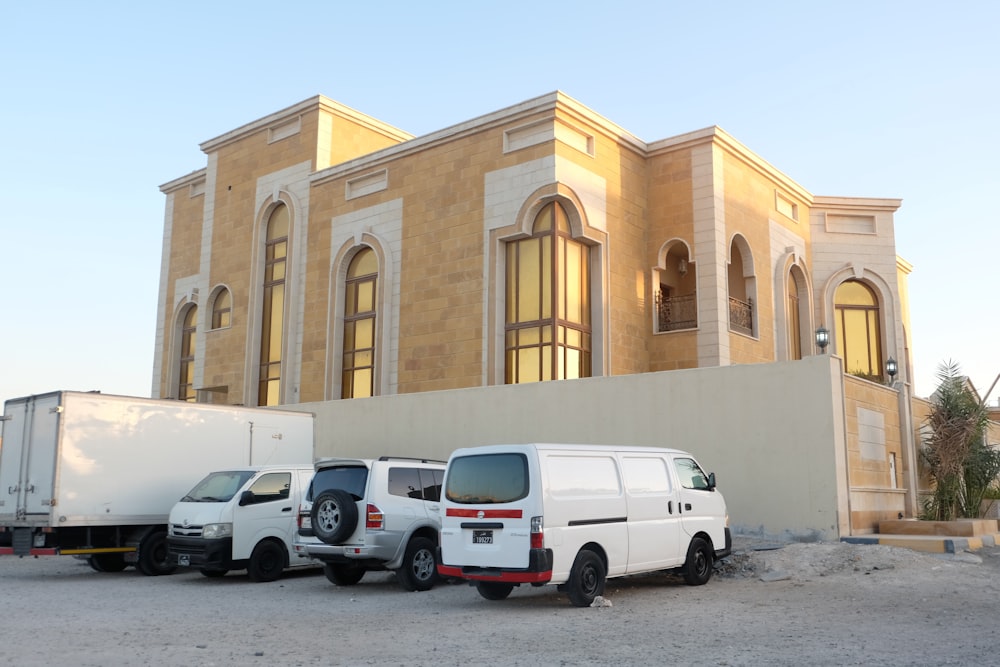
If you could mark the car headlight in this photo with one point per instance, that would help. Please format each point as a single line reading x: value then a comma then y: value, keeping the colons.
x: 213, y: 531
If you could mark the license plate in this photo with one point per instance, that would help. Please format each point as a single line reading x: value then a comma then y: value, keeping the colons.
x: 183, y: 560
x: 482, y: 537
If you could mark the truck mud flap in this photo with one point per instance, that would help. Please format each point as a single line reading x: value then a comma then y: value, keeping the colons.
x: 21, y: 541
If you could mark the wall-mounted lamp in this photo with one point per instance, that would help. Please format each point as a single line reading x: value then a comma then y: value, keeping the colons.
x: 822, y: 339
x: 891, y: 367
x: 682, y: 266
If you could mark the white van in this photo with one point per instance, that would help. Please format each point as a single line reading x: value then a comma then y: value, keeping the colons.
x: 244, y: 518
x: 575, y: 515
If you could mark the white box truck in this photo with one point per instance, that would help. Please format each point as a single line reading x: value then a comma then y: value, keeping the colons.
x: 92, y: 474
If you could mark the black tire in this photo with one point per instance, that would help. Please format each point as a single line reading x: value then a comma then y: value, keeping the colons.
x: 107, y: 562
x: 211, y: 573
x: 267, y: 561
x: 154, y: 559
x: 586, y: 579
x: 698, y: 566
x: 334, y: 516
x: 494, y: 590
x: 419, y: 569
x: 343, y: 574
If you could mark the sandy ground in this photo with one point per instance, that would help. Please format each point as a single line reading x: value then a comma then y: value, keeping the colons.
x: 814, y: 604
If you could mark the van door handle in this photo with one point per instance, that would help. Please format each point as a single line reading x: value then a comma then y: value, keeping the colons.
x: 670, y: 507
x: 286, y: 509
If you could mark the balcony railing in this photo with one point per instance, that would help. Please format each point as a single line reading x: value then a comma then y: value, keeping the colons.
x: 676, y: 312
x: 741, y: 316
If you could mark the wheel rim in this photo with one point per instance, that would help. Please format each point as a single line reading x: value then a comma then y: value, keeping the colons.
x: 423, y: 565
x: 269, y: 561
x: 588, y: 580
x: 329, y: 515
x: 701, y: 563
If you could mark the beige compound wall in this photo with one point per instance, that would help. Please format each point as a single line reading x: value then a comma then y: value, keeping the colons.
x: 773, y: 433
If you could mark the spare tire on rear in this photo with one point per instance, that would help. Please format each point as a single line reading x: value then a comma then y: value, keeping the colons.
x: 334, y: 516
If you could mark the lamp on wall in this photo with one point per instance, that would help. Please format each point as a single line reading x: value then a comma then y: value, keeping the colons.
x: 682, y: 266
x: 891, y: 367
x: 822, y: 339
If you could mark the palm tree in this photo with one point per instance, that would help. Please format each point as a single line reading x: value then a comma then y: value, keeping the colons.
x: 960, y: 463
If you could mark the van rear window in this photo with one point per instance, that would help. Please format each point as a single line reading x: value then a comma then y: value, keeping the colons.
x: 487, y: 479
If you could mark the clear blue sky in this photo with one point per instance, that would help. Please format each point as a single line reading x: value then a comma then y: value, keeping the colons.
x: 102, y: 102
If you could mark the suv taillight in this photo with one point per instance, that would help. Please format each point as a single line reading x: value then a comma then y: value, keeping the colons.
x: 537, y: 536
x: 375, y: 519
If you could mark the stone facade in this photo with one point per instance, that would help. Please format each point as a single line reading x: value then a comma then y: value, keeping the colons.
x: 438, y: 210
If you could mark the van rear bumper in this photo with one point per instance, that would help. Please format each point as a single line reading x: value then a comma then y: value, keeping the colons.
x: 539, y: 570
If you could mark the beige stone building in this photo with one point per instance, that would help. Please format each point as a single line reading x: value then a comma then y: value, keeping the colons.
x: 322, y: 255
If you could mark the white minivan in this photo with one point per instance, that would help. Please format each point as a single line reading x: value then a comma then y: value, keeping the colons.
x: 575, y: 515
x: 244, y: 518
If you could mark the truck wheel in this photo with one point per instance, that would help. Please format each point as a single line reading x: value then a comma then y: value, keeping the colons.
x: 419, y: 569
x: 698, y: 566
x: 586, y: 579
x: 334, y: 516
x: 154, y: 559
x: 107, y: 562
x: 343, y: 574
x: 494, y: 590
x: 266, y: 562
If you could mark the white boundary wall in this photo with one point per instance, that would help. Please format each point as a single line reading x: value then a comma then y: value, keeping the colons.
x: 774, y: 433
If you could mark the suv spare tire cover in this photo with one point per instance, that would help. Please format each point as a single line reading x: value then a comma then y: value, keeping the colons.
x: 334, y: 516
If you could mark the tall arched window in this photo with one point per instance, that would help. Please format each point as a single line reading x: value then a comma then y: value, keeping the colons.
x: 794, y: 323
x: 358, y: 378
x: 222, y: 310
x: 272, y: 315
x: 185, y: 383
x: 858, y: 339
x: 547, y: 332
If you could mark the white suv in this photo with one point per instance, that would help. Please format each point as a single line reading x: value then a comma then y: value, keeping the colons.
x: 373, y: 514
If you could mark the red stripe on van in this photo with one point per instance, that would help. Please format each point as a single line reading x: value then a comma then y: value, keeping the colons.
x: 485, y: 514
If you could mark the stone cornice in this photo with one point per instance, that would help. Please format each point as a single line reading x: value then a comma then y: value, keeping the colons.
x: 857, y: 204
x: 313, y: 103
x: 183, y: 181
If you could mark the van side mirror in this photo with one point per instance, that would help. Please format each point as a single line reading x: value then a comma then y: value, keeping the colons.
x: 711, y: 481
x: 246, y: 498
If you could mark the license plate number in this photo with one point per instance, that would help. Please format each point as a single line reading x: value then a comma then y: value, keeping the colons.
x: 183, y: 560
x: 482, y: 537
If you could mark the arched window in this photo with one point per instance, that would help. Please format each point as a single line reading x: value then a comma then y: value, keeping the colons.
x: 272, y: 315
x: 796, y: 308
x: 222, y: 310
x: 742, y: 287
x: 358, y: 377
x: 857, y: 329
x: 548, y: 318
x: 185, y: 383
x: 676, y: 300
x: 794, y: 321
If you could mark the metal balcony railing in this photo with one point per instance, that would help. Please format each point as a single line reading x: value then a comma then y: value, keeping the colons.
x: 676, y: 312
x: 741, y: 316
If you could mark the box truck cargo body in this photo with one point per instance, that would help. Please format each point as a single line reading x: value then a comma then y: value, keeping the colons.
x: 96, y: 474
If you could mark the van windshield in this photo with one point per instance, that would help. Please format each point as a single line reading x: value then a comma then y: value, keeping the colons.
x: 487, y: 479
x: 218, y: 487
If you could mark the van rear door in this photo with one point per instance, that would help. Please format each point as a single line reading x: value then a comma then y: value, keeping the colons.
x: 487, y: 510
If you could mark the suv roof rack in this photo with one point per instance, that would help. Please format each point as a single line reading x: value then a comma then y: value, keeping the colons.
x: 409, y: 458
